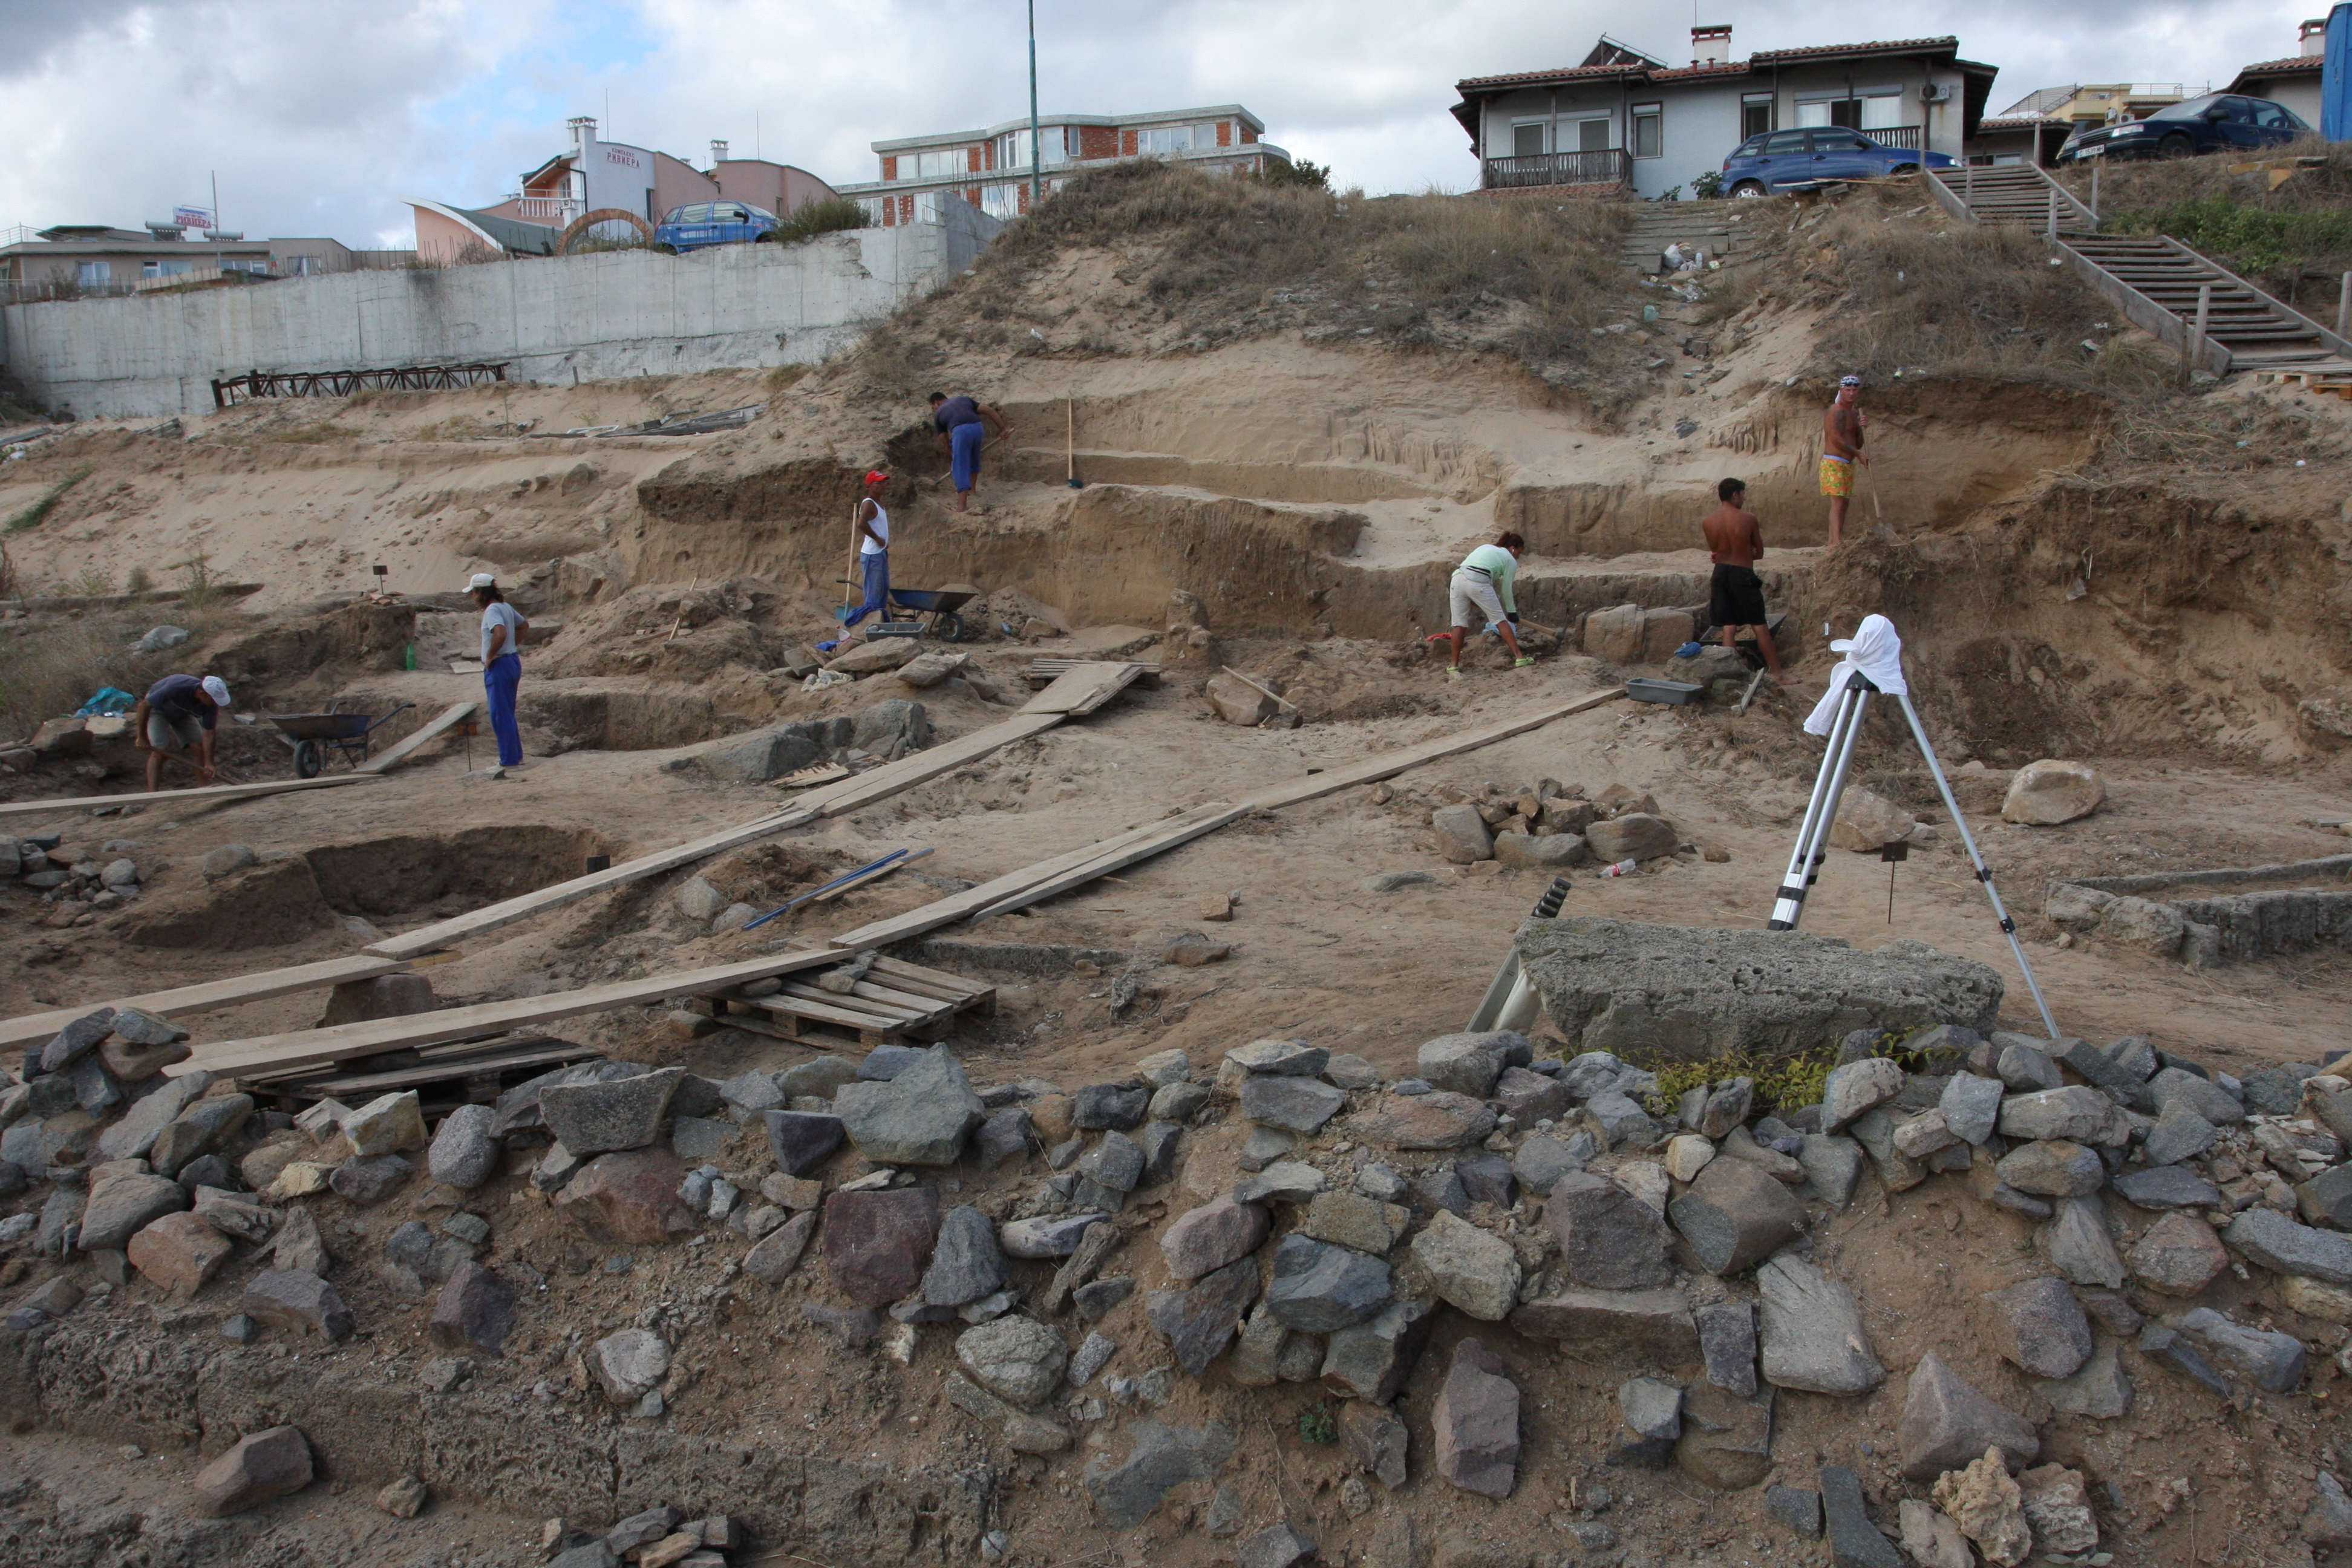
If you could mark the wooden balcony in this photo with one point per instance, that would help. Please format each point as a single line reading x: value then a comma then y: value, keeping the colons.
x: 1613, y: 166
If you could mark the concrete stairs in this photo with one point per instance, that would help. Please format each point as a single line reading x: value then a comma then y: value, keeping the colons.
x: 2258, y: 331
x: 1697, y: 226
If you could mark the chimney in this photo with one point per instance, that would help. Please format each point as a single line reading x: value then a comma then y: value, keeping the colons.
x: 583, y: 131
x: 2315, y: 37
x: 718, y: 153
x: 1710, y: 46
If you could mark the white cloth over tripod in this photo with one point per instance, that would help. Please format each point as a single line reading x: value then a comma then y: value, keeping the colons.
x: 1877, y: 650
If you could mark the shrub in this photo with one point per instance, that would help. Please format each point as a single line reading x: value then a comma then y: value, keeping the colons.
x: 830, y: 214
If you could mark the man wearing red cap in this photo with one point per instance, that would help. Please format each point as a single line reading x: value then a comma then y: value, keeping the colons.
x: 873, y: 555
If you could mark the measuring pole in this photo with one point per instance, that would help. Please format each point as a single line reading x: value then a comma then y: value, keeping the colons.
x: 1036, y: 153
x: 2344, y: 309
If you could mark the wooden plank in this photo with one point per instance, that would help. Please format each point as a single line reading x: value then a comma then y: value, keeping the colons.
x: 209, y: 794
x: 385, y: 760
x: 1182, y: 830
x: 1260, y: 686
x: 938, y: 981
x: 1081, y: 683
x: 210, y: 996
x: 878, y: 783
x: 1390, y: 764
x: 535, y: 1053
x: 861, y: 1024
x: 270, y: 1052
x: 890, y: 1012
x: 1087, y: 705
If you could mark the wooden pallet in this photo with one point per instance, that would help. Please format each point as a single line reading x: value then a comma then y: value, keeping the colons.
x: 896, y: 1001
x: 1085, y: 686
x: 482, y: 1071
x: 1045, y: 671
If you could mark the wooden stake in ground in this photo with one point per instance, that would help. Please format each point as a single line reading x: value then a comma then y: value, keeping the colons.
x: 1260, y: 686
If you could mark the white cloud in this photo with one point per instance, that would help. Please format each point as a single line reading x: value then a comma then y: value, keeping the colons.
x: 317, y: 114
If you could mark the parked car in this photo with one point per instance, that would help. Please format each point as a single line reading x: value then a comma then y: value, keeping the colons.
x: 2217, y: 123
x: 1777, y: 159
x: 701, y: 224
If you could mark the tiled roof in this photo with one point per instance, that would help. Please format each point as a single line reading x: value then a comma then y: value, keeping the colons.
x: 2012, y: 122
x: 1692, y: 73
x: 2287, y: 67
x: 1563, y: 73
x: 1726, y: 68
x: 1897, y: 46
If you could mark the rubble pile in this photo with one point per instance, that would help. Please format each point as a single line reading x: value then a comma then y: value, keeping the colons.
x: 78, y: 883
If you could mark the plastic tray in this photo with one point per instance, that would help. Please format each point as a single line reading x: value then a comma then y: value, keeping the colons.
x: 1646, y: 689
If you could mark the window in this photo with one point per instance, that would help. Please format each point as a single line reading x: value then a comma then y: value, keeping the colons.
x: 728, y: 212
x: 167, y: 269
x: 1870, y: 109
x: 1649, y: 139
x: 1528, y: 138
x: 1000, y: 200
x: 255, y: 265
x: 304, y: 266
x: 1839, y: 141
x: 1013, y: 151
x: 1755, y: 113
x: 1167, y: 139
x: 1592, y: 135
x: 1784, y: 144
x: 1882, y: 111
x: 94, y: 274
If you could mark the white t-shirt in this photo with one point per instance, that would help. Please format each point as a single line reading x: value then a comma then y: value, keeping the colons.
x: 880, y: 524
x: 501, y: 615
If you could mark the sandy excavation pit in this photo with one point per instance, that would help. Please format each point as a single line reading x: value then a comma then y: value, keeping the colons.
x: 1452, y: 1324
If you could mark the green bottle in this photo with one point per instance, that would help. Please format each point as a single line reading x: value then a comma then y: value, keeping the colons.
x: 408, y: 655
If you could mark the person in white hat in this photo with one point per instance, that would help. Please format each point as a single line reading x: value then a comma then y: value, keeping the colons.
x: 502, y: 629
x: 179, y: 713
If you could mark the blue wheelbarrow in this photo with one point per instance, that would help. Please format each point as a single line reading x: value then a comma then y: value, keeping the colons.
x: 940, y: 604
x: 312, y: 735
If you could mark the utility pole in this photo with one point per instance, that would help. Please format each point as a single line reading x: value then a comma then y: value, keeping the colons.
x: 1036, y: 153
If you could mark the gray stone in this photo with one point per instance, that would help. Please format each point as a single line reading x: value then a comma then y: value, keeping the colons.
x: 1287, y: 1181
x: 1099, y: 1297
x: 123, y: 1205
x: 1462, y: 834
x: 1832, y: 1167
x: 1608, y: 1239
x: 2179, y: 1351
x: 1256, y: 1358
x: 1377, y: 1441
x: 1467, y: 1064
x: 1540, y: 1162
x: 261, y: 1466
x: 1091, y: 1357
x: 876, y: 1244
x: 464, y: 1153
x: 1276, y: 1057
x: 779, y: 1253
x: 1178, y: 1101
x: 475, y: 1312
x: 1293, y: 1104
x: 699, y: 1138
x: 966, y: 1262
x: 1264, y: 1146
x: 2207, y: 1098
x: 1318, y: 1287
x: 1727, y: 1441
x: 1694, y: 993
x: 1159, y: 1459
x: 1727, y: 1337
x: 1487, y: 1179
x: 1475, y: 1426
x: 1050, y: 1236
x: 1734, y: 1216
x: 821, y: 1076
x: 77, y: 1040
x: 1199, y: 1322
x: 627, y: 1365
x: 2277, y: 1243
x: 2179, y: 1133
x: 2328, y: 1525
x: 1114, y: 1162
x: 2039, y: 1326
x: 886, y: 1062
x: 1475, y: 1271
x: 2179, y: 1255
x: 2270, y: 1360
x: 801, y: 1140
x: 1618, y: 1123
x: 1593, y: 1072
x: 1017, y: 1359
x: 1854, y: 1542
x: 1636, y: 836
x: 2102, y: 1390
x: 2075, y: 1114
x: 299, y: 1247
x: 1370, y: 1361
x: 1005, y: 1135
x: 2166, y: 1188
x: 1651, y: 1408
x: 1650, y: 1323
x: 297, y: 1304
x: 598, y: 1118
x: 641, y: 1530
x: 749, y: 1093
x: 1207, y: 1238
x: 202, y: 1127
x: 1857, y: 1089
x: 1159, y: 1143
x: 2053, y: 1169
x: 2275, y: 1091
x: 2079, y: 1245
x: 1275, y: 1546
x: 2023, y: 1066
x: 369, y: 1181
x: 1971, y: 1106
x: 95, y: 1089
x: 1118, y: 1107
x: 921, y: 1117
x: 1352, y: 1071
x: 1799, y: 1511
x: 1354, y: 1221
x: 1809, y: 1332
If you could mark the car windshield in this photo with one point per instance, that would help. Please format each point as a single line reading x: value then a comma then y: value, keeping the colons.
x: 2188, y: 108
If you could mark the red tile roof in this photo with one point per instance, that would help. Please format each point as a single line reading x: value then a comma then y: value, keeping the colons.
x: 1465, y: 85
x: 1726, y: 68
x: 2287, y: 67
x: 1897, y: 46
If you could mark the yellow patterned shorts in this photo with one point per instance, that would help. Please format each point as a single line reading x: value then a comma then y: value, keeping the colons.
x: 1837, y: 476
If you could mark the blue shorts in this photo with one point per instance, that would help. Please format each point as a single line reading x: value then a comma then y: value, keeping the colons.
x: 965, y: 442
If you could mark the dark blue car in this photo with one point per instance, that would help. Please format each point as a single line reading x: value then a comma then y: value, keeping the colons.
x: 1774, y: 161
x: 699, y: 223
x: 2217, y: 123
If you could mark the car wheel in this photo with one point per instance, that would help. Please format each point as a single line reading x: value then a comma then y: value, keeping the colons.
x: 1747, y: 188
x: 1902, y: 169
x: 2176, y: 147
x: 667, y: 249
x: 768, y: 238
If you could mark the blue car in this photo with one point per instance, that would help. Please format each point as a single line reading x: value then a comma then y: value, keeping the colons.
x: 2217, y: 123
x: 1775, y: 161
x: 701, y: 224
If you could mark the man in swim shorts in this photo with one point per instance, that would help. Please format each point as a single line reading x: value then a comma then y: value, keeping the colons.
x: 1735, y: 598
x: 1841, y: 438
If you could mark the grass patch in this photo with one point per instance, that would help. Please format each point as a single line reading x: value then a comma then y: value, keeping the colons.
x: 831, y: 215
x: 787, y: 376
x: 32, y: 516
x: 1781, y: 1083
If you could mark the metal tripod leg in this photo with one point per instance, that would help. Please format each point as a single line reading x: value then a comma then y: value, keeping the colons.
x: 1820, y: 811
x: 1984, y: 872
x: 1510, y: 1003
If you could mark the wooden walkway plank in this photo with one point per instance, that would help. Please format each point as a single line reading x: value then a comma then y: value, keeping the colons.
x: 307, y: 1048
x: 210, y: 996
x: 1082, y: 688
x: 205, y: 795
x: 920, y: 767
x: 1181, y: 831
x: 392, y: 757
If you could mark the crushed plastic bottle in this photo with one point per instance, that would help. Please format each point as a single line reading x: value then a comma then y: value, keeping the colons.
x: 1625, y: 867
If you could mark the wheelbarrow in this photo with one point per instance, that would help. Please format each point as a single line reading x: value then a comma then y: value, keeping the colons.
x: 940, y: 603
x: 312, y: 735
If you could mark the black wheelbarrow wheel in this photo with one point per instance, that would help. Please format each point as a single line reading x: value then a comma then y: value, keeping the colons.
x: 306, y: 759
x: 947, y: 626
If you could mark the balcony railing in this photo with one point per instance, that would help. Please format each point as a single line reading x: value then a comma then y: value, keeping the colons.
x: 1612, y: 166
x: 1906, y: 137
x: 547, y: 209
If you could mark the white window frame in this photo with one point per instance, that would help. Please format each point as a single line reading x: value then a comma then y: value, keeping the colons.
x: 94, y: 274
x: 1543, y: 137
x: 1608, y: 136
x: 1634, y: 115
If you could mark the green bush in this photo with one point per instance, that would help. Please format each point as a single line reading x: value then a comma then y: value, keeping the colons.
x: 2246, y: 238
x: 1304, y: 172
x: 828, y: 216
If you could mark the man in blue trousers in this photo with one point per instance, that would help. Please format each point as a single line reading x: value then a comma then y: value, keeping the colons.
x: 502, y: 629
x: 962, y: 425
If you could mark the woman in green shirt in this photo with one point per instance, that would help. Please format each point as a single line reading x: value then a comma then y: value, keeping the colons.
x: 1483, y: 583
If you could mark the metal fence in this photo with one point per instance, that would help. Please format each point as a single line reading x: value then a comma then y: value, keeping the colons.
x: 1610, y: 167
x: 343, y: 383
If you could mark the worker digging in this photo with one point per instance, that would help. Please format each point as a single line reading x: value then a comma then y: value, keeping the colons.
x: 179, y: 714
x: 1481, y: 592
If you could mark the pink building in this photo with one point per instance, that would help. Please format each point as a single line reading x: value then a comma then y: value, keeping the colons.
x: 603, y: 177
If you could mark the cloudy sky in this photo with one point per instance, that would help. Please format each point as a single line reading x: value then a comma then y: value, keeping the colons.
x: 317, y: 115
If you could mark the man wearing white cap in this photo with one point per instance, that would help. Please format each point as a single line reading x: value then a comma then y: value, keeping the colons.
x: 177, y: 714
x: 1841, y: 438
x: 502, y: 629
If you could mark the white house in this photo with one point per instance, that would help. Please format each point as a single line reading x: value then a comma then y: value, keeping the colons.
x: 1622, y: 120
x: 2295, y: 80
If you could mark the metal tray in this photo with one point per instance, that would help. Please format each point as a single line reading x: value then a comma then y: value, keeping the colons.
x: 1647, y: 688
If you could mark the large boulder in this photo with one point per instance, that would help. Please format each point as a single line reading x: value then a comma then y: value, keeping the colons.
x: 1622, y: 985
x: 1613, y: 635
x: 1239, y: 703
x: 2049, y: 792
x: 770, y: 754
x: 920, y: 1118
x: 877, y: 1243
x: 1475, y: 1428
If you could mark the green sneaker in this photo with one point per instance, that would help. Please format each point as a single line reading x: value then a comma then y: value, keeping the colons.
x: 1522, y: 661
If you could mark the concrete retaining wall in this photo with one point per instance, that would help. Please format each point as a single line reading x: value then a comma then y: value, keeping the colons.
x: 578, y: 318
x: 2203, y: 920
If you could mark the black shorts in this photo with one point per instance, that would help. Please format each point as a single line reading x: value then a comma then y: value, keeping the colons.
x: 1735, y: 598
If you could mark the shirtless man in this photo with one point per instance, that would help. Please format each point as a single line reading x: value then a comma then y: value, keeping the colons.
x: 1841, y: 436
x: 1735, y: 599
